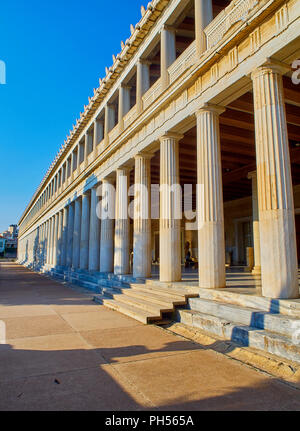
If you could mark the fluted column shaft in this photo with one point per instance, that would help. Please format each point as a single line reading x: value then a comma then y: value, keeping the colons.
x: 70, y: 234
x: 124, y: 104
x: 64, y: 240
x: 168, y: 53
x: 122, y: 258
x: 203, y: 16
x: 142, y: 83
x: 59, y: 237
x: 210, y: 211
x: 55, y: 239
x: 274, y: 182
x: 107, y: 226
x: 142, y: 217
x: 49, y: 245
x: 85, y: 232
x: 76, y: 235
x: 255, y: 216
x: 170, y: 209
x: 94, y: 236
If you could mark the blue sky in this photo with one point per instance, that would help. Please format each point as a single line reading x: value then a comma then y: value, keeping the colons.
x: 55, y: 52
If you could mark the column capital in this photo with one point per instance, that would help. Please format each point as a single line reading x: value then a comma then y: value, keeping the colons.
x: 108, y: 179
x: 251, y: 175
x: 172, y: 135
x: 210, y: 107
x: 144, y: 154
x: 271, y: 66
x: 168, y: 28
x: 144, y: 61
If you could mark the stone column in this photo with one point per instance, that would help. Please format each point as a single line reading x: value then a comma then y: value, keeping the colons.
x: 85, y: 232
x: 122, y: 258
x: 70, y: 234
x: 64, y: 241
x: 49, y: 242
x: 94, y: 246
x: 59, y: 237
x: 142, y: 217
x: 55, y: 239
x: 279, y: 265
x: 142, y: 82
x: 168, y: 53
x: 76, y: 235
x: 210, y: 211
x: 124, y: 104
x: 170, y: 209
x: 256, y: 240
x: 107, y: 226
x: 98, y: 133
x: 203, y: 16
x: 109, y: 121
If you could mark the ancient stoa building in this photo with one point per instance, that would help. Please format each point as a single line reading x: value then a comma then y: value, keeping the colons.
x: 204, y: 95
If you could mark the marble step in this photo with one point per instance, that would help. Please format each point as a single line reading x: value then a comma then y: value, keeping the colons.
x: 144, y: 302
x: 154, y: 298
x: 283, y: 306
x: 277, y: 323
x: 270, y: 342
x: 129, y: 310
x: 178, y: 294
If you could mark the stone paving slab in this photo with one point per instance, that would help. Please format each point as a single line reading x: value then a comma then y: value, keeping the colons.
x: 122, y: 345
x: 86, y: 357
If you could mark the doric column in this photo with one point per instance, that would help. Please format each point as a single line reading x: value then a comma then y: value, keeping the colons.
x: 124, y: 104
x: 94, y: 246
x: 85, y: 232
x: 109, y: 120
x: 70, y: 234
x: 55, y: 239
x: 59, y: 237
x: 107, y: 226
x: 76, y: 236
x: 168, y: 53
x: 49, y: 242
x: 256, y: 240
x: 98, y: 133
x: 64, y: 241
x: 210, y: 211
x: 203, y: 16
x: 122, y: 258
x: 170, y: 209
x: 142, y: 217
x: 142, y: 82
x: 274, y: 183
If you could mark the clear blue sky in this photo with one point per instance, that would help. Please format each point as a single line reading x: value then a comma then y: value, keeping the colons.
x: 55, y: 52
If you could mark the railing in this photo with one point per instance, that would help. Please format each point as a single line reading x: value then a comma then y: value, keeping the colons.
x: 235, y: 12
x: 113, y: 134
x: 186, y: 59
x: 152, y: 94
x: 130, y: 117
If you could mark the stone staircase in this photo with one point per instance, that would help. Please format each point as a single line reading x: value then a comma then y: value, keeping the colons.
x: 269, y: 325
x: 147, y: 301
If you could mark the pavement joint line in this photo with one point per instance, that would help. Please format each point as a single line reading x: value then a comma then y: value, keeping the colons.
x: 242, y: 363
x: 56, y: 373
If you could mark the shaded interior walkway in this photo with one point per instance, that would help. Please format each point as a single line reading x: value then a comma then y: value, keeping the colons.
x: 63, y: 352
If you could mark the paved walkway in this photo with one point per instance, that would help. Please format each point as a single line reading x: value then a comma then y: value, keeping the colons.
x: 63, y: 352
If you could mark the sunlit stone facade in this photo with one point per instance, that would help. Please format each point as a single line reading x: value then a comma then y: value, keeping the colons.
x: 202, y: 94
